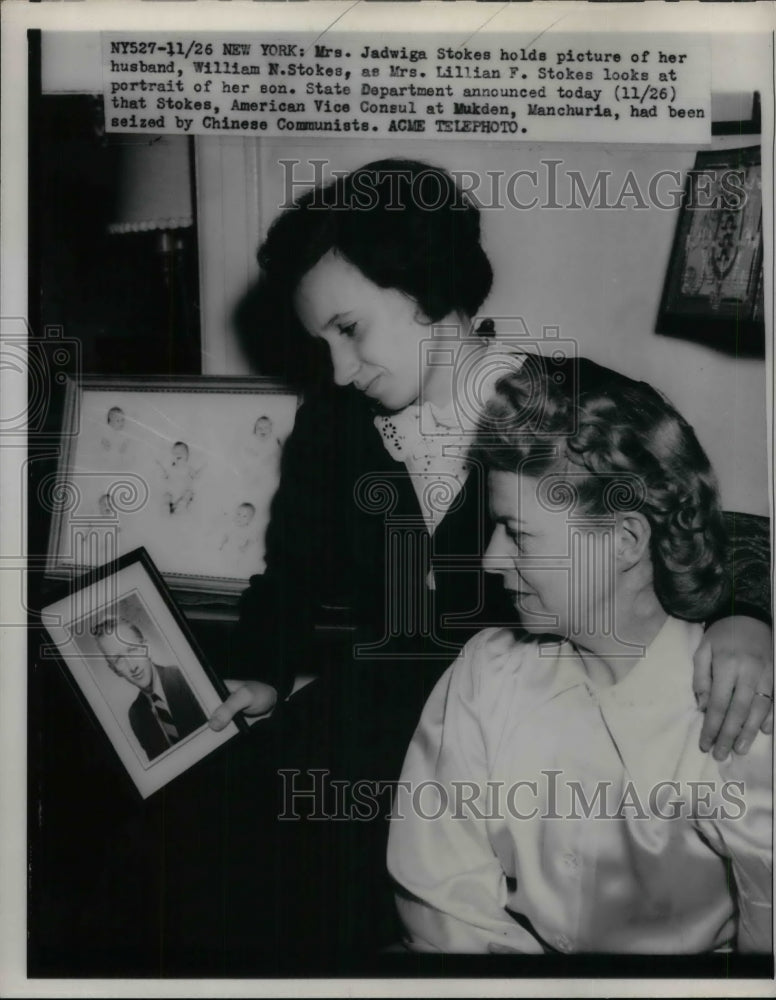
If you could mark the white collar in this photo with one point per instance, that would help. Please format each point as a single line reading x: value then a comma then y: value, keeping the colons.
x: 427, y: 430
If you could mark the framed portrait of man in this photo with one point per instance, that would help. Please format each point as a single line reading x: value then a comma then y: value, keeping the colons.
x: 138, y: 668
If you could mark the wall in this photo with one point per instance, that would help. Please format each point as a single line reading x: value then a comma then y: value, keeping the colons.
x: 597, y: 274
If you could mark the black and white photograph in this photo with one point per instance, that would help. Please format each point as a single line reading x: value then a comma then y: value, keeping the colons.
x: 186, y: 467
x: 387, y: 404
x: 138, y: 670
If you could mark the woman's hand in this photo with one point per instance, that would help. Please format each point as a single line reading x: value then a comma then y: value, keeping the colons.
x: 733, y: 681
x: 249, y: 697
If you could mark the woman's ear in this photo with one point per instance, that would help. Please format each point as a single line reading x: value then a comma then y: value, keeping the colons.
x: 633, y: 534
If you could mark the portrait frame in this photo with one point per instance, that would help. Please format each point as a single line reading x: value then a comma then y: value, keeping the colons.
x: 119, y: 488
x: 713, y: 291
x: 131, y: 593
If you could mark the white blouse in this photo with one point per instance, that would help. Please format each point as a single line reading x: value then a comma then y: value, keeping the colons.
x: 571, y: 818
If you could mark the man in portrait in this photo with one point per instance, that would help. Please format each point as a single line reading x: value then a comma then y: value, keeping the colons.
x: 165, y: 709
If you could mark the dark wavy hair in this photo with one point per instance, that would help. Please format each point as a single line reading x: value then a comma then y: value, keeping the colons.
x: 403, y: 223
x: 624, y: 447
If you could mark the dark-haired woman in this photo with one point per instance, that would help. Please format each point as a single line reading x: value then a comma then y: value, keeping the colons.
x: 379, y: 521
x: 373, y: 554
x: 567, y: 806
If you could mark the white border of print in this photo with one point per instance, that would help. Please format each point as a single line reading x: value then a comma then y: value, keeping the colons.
x: 203, y: 15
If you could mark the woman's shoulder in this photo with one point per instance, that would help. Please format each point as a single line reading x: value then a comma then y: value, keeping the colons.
x: 499, y: 672
x: 494, y: 657
x: 494, y: 643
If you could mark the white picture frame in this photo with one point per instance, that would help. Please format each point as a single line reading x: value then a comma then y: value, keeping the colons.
x: 186, y: 467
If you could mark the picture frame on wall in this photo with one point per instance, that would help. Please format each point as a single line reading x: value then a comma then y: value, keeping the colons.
x: 713, y: 292
x: 138, y: 667
x: 186, y: 467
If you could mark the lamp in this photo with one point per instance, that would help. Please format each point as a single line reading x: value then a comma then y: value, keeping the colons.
x: 154, y: 185
x: 154, y: 191
x: 152, y: 224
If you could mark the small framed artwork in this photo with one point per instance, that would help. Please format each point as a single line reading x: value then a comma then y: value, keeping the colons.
x: 736, y: 113
x: 713, y: 290
x: 185, y: 467
x: 136, y: 663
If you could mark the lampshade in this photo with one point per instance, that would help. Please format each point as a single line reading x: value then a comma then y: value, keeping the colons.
x: 154, y: 184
